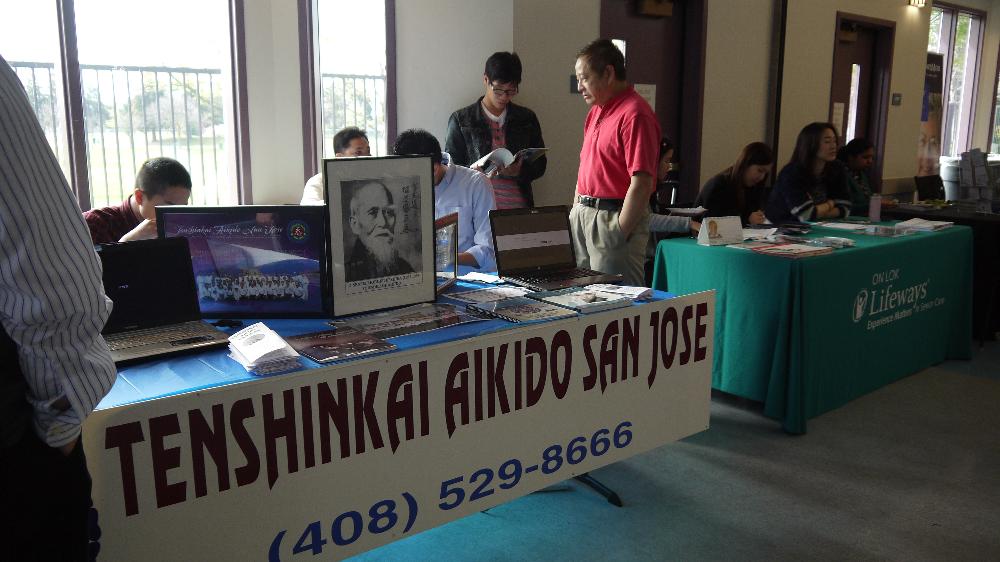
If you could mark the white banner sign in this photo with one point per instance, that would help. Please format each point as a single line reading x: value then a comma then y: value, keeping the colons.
x: 335, y: 461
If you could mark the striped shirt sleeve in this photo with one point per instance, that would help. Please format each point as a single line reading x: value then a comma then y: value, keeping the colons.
x: 52, y: 302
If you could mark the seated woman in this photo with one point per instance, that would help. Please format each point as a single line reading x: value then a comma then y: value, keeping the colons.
x: 668, y: 223
x: 858, y: 156
x: 813, y: 185
x: 737, y: 190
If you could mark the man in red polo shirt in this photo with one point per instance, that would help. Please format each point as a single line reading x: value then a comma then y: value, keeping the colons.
x: 610, y: 218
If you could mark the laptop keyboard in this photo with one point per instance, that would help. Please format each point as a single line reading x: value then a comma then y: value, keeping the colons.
x: 150, y: 336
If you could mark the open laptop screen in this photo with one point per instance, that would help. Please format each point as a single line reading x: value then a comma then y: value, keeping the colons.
x: 532, y: 239
x: 150, y: 282
x: 253, y: 260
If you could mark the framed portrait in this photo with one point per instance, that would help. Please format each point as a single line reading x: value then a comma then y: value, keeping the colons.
x: 445, y: 251
x: 254, y: 261
x: 381, y: 213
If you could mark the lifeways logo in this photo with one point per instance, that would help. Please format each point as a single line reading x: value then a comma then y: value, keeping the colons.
x: 886, y: 301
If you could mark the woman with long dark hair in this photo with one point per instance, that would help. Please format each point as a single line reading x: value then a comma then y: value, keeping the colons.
x: 813, y: 185
x: 737, y: 190
x: 858, y: 156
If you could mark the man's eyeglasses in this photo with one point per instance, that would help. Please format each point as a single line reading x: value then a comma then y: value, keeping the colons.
x: 502, y: 92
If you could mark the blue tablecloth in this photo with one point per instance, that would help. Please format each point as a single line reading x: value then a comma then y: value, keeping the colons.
x: 188, y: 373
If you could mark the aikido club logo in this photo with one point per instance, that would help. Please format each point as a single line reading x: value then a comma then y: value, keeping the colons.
x: 298, y: 231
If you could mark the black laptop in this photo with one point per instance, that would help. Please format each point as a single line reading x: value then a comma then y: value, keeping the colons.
x: 534, y: 249
x: 155, y: 301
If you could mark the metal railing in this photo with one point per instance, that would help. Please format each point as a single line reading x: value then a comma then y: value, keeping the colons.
x: 133, y: 113
x: 357, y: 100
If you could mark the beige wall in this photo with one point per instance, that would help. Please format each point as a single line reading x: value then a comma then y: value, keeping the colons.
x: 273, y: 95
x: 547, y: 36
x: 809, y: 65
x: 737, y: 85
x: 441, y: 47
x: 442, y: 44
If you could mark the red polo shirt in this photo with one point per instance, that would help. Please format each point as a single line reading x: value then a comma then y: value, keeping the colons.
x: 620, y: 138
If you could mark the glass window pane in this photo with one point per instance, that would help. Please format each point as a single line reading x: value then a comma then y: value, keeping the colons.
x: 30, y: 44
x: 156, y: 82
x: 352, y: 71
x: 995, y: 130
x: 955, y: 117
x: 934, y: 39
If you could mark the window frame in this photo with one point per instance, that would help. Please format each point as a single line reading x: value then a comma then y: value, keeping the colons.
x: 993, y: 137
x: 309, y: 72
x: 963, y: 139
x: 72, y: 86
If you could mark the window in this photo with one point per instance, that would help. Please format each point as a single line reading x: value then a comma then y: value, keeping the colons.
x: 352, y: 82
x: 30, y: 44
x: 148, y: 87
x: 957, y: 34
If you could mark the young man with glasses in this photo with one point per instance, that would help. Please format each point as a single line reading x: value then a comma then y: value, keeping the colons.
x: 494, y: 121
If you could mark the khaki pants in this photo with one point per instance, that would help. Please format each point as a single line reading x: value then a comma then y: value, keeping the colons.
x: 599, y: 243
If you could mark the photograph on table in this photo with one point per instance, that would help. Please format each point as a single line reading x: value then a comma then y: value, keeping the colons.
x: 254, y: 261
x: 445, y: 251
x: 381, y: 213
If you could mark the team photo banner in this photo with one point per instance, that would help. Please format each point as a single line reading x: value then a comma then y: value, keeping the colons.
x: 326, y: 463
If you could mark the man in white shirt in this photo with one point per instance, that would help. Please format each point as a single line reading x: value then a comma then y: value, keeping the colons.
x: 54, y: 365
x: 461, y: 190
x: 351, y: 141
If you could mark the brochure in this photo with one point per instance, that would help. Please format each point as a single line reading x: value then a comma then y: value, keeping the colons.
x: 521, y: 309
x: 261, y: 351
x: 922, y: 225
x: 501, y: 158
x: 332, y: 345
x: 794, y: 250
x: 758, y: 233
x: 487, y: 294
x: 751, y: 245
x: 410, y: 320
x: 851, y: 226
x: 688, y: 211
x: 582, y: 299
x: 635, y: 293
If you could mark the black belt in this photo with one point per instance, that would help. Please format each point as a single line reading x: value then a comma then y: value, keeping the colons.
x: 602, y: 204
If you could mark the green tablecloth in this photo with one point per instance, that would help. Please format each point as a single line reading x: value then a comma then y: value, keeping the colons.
x: 808, y: 335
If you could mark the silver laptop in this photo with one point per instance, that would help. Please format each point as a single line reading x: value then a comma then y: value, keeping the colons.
x: 156, y: 302
x: 534, y: 249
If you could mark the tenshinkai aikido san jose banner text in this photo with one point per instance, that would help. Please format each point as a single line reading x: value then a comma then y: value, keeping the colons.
x: 326, y: 463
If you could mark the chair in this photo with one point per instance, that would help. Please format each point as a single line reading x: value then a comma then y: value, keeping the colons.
x: 663, y: 197
x: 929, y: 187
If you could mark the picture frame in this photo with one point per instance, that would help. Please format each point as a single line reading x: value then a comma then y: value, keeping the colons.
x: 254, y: 261
x: 381, y: 226
x: 445, y: 252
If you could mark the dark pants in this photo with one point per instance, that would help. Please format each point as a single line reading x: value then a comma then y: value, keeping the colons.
x: 44, y: 502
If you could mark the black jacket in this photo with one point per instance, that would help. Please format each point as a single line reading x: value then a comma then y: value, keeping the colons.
x: 797, y: 192
x: 469, y: 139
x: 722, y: 198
